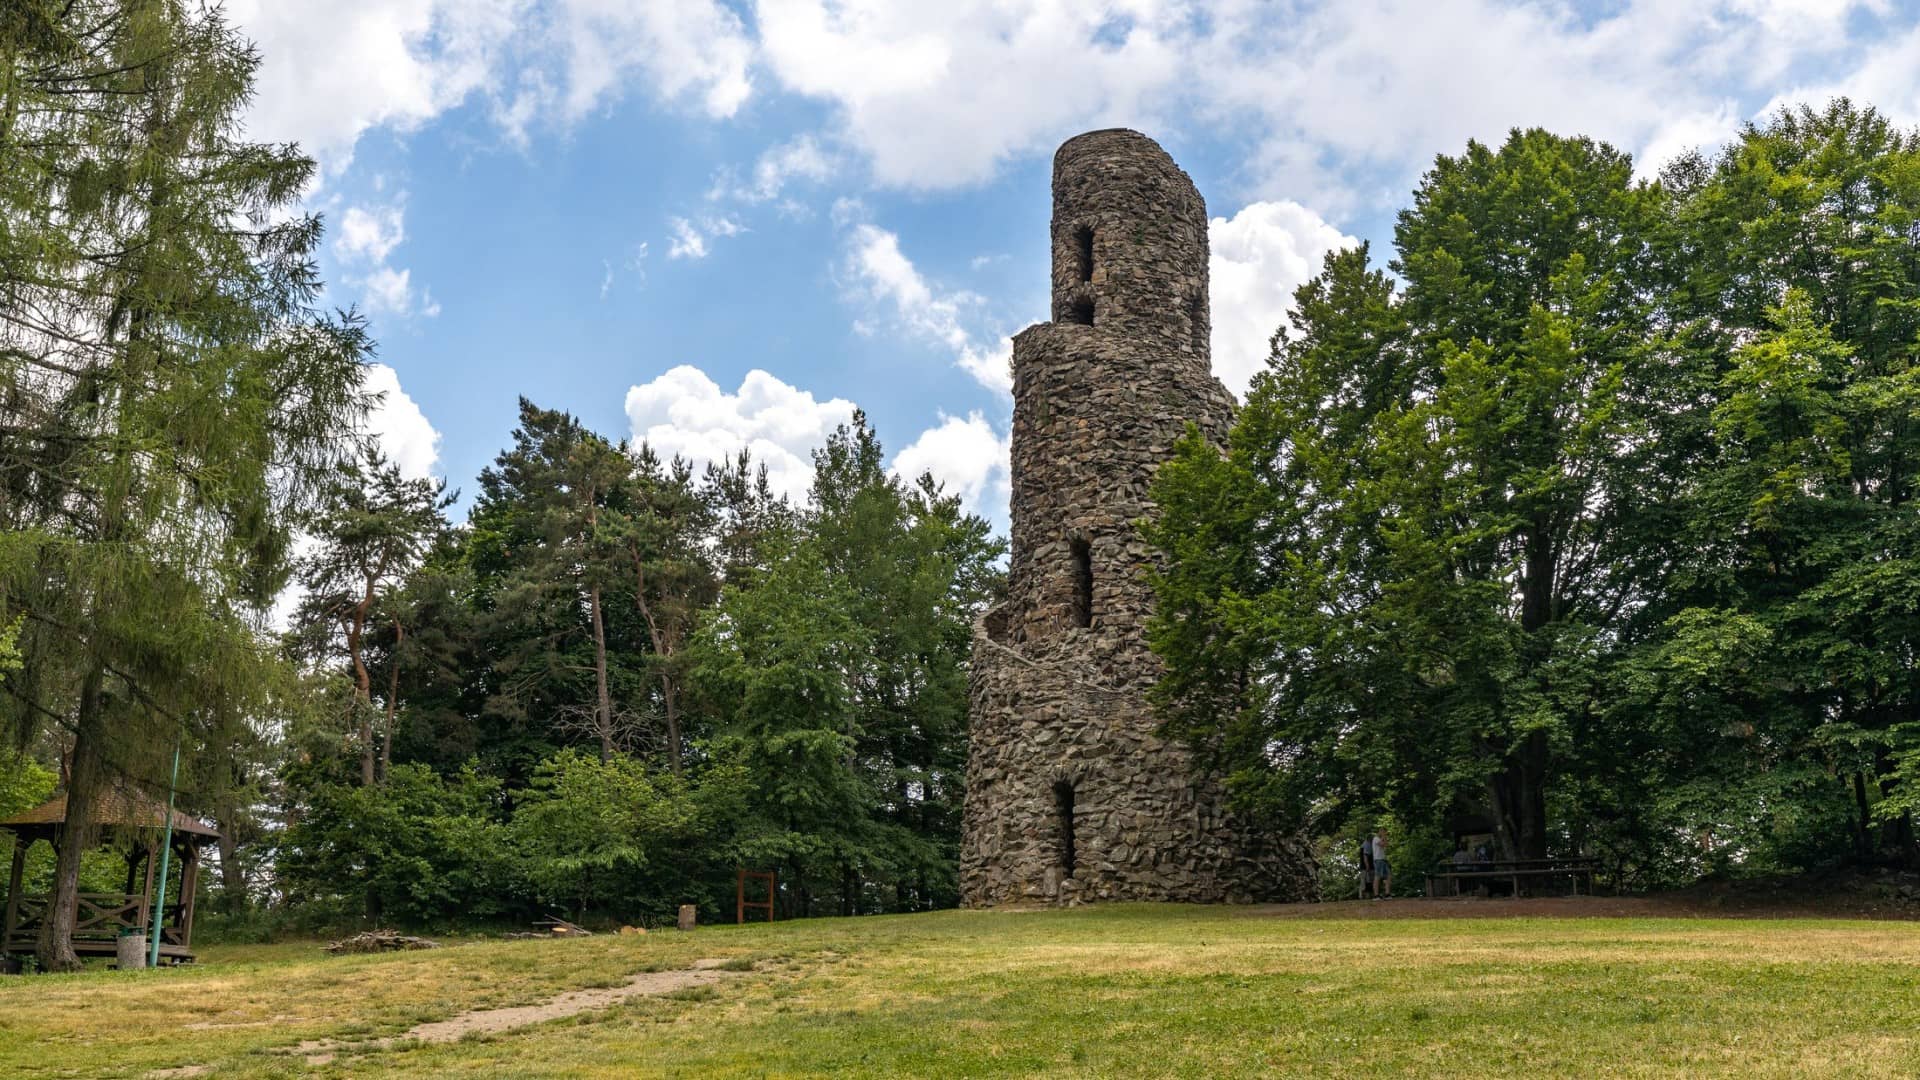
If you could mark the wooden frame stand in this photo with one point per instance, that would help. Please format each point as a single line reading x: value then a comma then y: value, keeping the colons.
x: 740, y: 901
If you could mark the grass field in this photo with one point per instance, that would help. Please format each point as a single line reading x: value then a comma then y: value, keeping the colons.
x: 1109, y: 991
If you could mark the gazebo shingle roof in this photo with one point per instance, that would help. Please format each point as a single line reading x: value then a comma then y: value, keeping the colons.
x: 115, y: 806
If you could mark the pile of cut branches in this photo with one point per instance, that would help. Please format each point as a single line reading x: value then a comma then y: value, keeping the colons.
x: 380, y: 941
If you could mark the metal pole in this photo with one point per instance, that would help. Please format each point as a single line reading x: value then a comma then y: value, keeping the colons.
x: 166, y: 858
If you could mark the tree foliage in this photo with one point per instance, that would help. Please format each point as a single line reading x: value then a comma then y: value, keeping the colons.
x: 1593, y: 522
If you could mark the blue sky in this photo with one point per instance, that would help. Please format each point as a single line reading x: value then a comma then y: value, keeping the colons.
x: 710, y: 223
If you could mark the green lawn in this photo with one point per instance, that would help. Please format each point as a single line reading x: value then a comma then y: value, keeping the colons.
x: 1125, y: 990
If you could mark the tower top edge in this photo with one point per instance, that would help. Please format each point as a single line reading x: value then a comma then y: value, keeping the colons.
x: 1108, y: 140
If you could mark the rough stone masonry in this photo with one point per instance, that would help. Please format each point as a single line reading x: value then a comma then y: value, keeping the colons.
x: 1071, y: 796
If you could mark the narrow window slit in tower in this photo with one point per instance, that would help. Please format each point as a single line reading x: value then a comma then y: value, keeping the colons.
x: 1081, y: 311
x: 1082, y: 582
x: 1197, y: 321
x: 1063, y: 805
x: 1083, y: 253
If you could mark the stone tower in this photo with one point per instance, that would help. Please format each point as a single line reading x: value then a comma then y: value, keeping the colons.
x: 1070, y: 794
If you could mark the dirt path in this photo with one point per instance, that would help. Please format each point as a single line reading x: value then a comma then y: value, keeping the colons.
x: 571, y: 1003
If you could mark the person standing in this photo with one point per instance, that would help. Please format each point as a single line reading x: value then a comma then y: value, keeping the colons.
x: 1366, y: 867
x: 1382, y: 872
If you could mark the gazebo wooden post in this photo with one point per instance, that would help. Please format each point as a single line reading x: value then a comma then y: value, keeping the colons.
x: 189, y: 881
x: 20, y: 846
x: 146, y: 891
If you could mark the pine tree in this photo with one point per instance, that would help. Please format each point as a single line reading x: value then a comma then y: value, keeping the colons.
x: 372, y: 529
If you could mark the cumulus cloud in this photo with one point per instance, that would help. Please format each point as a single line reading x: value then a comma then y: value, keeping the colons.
x: 370, y: 233
x: 969, y: 459
x: 882, y: 274
x: 405, y: 434
x: 685, y: 412
x: 332, y: 71
x: 695, y: 49
x: 935, y: 96
x: 1259, y: 257
x: 939, y: 94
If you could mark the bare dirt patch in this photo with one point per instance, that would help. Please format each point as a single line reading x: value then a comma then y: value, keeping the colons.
x: 572, y: 1003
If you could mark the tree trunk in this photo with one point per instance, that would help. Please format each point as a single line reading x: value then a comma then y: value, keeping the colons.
x: 670, y: 690
x: 55, y: 948
x: 1863, y: 833
x: 362, y: 685
x: 393, y: 699
x: 233, y: 881
x: 1519, y: 792
x: 663, y: 651
x: 603, y: 701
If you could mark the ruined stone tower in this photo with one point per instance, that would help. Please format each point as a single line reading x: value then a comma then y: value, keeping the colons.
x: 1070, y: 794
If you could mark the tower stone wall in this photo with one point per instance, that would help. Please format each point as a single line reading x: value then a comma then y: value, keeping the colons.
x: 1070, y: 794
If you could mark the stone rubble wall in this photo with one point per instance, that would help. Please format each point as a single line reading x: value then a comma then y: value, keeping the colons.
x: 1097, y: 409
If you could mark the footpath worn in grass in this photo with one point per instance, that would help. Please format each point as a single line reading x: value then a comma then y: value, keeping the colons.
x: 1108, y: 991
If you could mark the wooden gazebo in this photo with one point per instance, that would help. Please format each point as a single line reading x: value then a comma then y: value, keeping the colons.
x: 101, y: 916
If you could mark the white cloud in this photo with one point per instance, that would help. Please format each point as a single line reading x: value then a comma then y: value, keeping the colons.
x: 883, y: 274
x: 405, y: 434
x: 1883, y: 78
x: 689, y: 48
x: 1259, y: 257
x: 685, y: 412
x: 385, y: 290
x: 936, y: 96
x: 686, y: 243
x: 333, y: 69
x: 801, y: 158
x: 367, y: 236
x: 689, y: 239
x: 939, y: 94
x: 966, y: 456
x: 370, y: 234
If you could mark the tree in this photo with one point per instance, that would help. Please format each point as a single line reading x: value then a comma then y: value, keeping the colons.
x: 171, y: 395
x: 1443, y: 496
x: 837, y: 675
x: 663, y: 529
x: 542, y: 508
x: 372, y: 529
x: 1805, y: 235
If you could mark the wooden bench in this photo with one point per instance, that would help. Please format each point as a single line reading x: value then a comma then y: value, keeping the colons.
x: 1445, y: 879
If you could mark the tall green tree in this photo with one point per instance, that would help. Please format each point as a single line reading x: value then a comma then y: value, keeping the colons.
x: 1805, y: 237
x: 837, y: 675
x: 663, y: 528
x: 1442, y: 496
x: 552, y: 554
x: 171, y: 393
x: 371, y: 531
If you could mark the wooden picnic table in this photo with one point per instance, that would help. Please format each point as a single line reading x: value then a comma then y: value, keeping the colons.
x: 1445, y: 879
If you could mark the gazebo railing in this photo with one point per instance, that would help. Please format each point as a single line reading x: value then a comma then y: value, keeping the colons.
x: 98, y: 918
